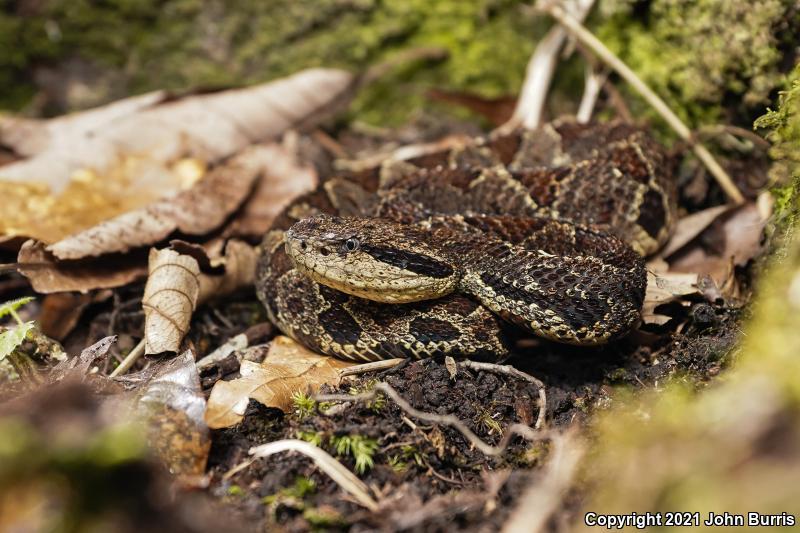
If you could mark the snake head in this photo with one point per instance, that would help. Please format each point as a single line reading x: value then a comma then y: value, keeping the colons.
x: 371, y: 258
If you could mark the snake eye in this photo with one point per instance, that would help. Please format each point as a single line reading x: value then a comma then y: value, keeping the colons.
x: 351, y: 244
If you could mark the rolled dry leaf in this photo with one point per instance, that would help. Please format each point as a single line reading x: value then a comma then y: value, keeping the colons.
x: 170, y: 298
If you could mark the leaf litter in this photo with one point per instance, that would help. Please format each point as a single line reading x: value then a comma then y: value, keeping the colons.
x: 255, y: 399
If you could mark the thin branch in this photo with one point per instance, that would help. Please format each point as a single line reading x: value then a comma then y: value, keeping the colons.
x: 591, y: 90
x: 526, y: 432
x: 371, y: 367
x: 129, y: 360
x: 335, y: 470
x: 555, y: 10
x: 539, y: 74
x: 508, y: 370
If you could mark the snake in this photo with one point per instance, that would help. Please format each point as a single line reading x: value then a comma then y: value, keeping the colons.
x: 445, y: 253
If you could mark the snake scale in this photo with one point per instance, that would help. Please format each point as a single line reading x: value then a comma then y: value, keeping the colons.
x: 542, y: 229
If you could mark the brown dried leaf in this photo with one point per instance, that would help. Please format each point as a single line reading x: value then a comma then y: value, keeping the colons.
x: 741, y: 232
x: 197, y: 211
x: 62, y: 311
x: 90, y: 167
x: 288, y: 368
x: 240, y: 269
x: 173, y: 406
x: 207, y: 126
x: 170, y: 298
x: 283, y: 179
x: 691, y: 226
x: 79, y: 366
x: 663, y: 288
x: 47, y: 275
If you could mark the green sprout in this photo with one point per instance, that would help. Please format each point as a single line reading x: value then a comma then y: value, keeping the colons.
x: 304, y: 405
x: 362, y: 449
x: 13, y: 337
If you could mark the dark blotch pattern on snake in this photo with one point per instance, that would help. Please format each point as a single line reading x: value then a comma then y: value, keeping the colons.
x: 544, y: 229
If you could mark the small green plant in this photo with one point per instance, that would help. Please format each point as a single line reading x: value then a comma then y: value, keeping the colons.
x: 301, y: 488
x: 377, y: 403
x: 314, y: 437
x: 13, y: 337
x: 362, y: 449
x: 487, y: 421
x: 408, y: 454
x: 304, y: 405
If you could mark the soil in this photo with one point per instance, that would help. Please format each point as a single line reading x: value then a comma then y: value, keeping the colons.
x: 434, y: 478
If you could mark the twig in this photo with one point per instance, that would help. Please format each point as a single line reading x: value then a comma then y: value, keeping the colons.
x: 591, y: 90
x: 541, y: 499
x: 129, y: 360
x: 335, y: 470
x: 526, y: 432
x: 555, y: 10
x: 539, y: 74
x: 508, y: 370
x: 714, y: 130
x: 618, y: 102
x: 371, y: 367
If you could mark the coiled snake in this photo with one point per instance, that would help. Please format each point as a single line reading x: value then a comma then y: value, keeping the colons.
x: 544, y: 229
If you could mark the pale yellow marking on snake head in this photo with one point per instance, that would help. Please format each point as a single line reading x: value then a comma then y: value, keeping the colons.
x: 374, y: 259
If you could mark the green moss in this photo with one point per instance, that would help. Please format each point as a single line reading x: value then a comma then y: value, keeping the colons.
x: 301, y: 488
x: 181, y: 44
x: 703, y: 57
x: 782, y: 128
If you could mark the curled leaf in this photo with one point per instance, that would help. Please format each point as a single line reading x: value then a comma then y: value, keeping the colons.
x: 240, y: 267
x: 170, y: 298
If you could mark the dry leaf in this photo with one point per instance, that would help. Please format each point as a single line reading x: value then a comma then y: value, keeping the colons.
x: 170, y: 298
x: 663, y: 288
x: 288, y: 368
x: 240, y: 269
x: 47, y: 275
x: 234, y: 344
x: 173, y: 406
x: 93, y: 166
x: 283, y: 179
x: 691, y: 226
x: 79, y: 366
x: 741, y: 231
x: 197, y: 211
x: 62, y: 311
x: 90, y: 197
x: 29, y: 137
x: 207, y: 126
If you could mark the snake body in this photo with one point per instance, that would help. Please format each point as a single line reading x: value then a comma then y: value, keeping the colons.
x: 544, y: 229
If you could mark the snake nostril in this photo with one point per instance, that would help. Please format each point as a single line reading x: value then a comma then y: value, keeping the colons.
x: 324, y: 251
x: 303, y: 245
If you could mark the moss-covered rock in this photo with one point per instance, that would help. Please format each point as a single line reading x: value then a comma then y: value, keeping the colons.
x: 704, y: 57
